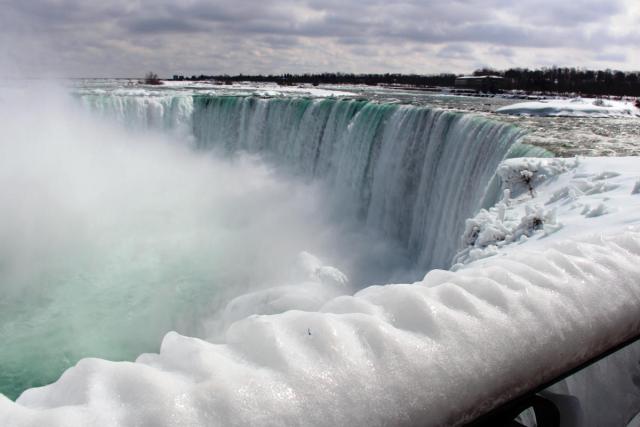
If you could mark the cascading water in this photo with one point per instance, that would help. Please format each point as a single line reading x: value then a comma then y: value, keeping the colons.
x: 166, y: 113
x: 413, y: 173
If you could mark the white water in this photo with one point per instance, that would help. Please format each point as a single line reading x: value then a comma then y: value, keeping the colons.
x: 412, y: 174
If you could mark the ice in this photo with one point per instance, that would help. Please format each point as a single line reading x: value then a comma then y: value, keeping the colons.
x: 577, y: 107
x: 547, y: 196
x: 388, y: 354
x: 432, y: 353
x: 524, y: 174
x: 313, y: 284
x: 594, y: 211
x: 259, y: 89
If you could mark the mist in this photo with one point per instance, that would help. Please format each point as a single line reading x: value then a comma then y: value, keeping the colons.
x: 111, y: 238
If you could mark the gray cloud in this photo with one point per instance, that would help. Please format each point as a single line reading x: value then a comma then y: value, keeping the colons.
x: 162, y: 25
x: 501, y: 51
x: 124, y: 38
x: 456, y: 51
x: 611, y: 57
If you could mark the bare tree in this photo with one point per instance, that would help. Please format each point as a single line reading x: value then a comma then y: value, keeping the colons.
x: 152, y: 78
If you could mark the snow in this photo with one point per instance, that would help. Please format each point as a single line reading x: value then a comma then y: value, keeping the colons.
x: 576, y: 107
x: 259, y: 89
x: 188, y: 88
x: 547, y: 196
x: 550, y: 287
x: 320, y: 284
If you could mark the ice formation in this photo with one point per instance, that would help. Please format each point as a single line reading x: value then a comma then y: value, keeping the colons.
x: 576, y: 107
x: 261, y: 89
x: 547, y: 196
x: 436, y: 352
x: 314, y: 285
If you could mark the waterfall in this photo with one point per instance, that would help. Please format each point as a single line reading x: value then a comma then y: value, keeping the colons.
x: 412, y: 173
x: 164, y: 113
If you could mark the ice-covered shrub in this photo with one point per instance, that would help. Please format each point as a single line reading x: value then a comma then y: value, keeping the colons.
x: 523, y: 175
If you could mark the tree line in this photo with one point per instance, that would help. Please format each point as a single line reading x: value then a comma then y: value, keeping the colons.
x: 569, y: 80
x: 335, y: 78
x: 548, y: 80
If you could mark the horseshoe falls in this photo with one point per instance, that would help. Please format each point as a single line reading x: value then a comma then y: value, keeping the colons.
x: 175, y: 257
x: 411, y: 174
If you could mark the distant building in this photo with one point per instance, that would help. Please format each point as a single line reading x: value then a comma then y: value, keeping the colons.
x: 481, y: 83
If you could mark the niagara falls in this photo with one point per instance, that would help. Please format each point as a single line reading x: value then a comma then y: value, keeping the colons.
x: 319, y: 213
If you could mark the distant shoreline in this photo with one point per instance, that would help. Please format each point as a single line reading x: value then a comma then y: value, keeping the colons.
x: 548, y: 82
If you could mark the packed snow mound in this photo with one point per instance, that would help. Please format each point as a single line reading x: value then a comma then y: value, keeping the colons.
x: 547, y: 196
x: 576, y: 107
x: 522, y: 175
x: 312, y: 285
x: 436, y: 352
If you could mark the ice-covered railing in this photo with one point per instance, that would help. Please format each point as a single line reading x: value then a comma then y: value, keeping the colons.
x: 548, y: 200
x: 437, y: 352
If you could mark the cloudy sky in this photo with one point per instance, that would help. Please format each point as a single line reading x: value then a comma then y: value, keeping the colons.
x: 125, y: 38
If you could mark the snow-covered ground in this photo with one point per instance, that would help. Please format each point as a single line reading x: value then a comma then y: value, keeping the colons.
x: 549, y: 277
x: 202, y: 87
x: 576, y: 107
x: 552, y: 199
